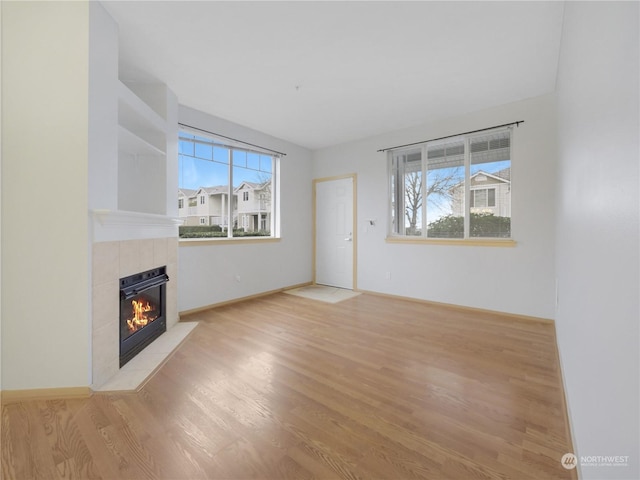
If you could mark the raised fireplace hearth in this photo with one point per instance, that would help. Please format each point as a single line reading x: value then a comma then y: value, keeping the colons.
x: 142, y: 311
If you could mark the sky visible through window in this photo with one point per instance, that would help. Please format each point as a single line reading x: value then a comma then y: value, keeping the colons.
x: 202, y: 164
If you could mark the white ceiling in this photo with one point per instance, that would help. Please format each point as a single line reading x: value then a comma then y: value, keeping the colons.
x: 323, y: 73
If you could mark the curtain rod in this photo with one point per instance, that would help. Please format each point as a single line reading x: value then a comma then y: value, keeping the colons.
x: 232, y: 139
x: 517, y: 124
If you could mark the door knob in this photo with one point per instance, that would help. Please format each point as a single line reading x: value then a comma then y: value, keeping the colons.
x: 350, y: 237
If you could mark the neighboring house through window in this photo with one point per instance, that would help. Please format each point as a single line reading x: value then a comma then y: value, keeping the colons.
x: 429, y: 183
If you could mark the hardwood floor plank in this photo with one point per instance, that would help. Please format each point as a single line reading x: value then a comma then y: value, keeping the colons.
x: 391, y: 460
x: 92, y: 424
x: 26, y: 451
x: 283, y: 387
x: 68, y: 448
x: 311, y: 462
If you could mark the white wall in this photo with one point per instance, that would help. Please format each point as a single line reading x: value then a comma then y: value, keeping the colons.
x: 597, y: 230
x: 208, y: 272
x: 103, y: 114
x: 462, y: 275
x: 45, y: 288
x: 0, y: 207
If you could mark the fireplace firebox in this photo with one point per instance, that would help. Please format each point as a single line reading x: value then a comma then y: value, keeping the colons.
x: 142, y: 311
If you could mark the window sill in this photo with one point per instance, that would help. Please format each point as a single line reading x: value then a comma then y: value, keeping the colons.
x: 193, y: 242
x: 467, y: 242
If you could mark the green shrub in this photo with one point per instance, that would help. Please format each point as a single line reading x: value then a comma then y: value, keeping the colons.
x: 199, y: 228
x: 200, y: 231
x: 448, y: 226
x: 490, y: 226
x: 485, y: 225
x: 215, y: 231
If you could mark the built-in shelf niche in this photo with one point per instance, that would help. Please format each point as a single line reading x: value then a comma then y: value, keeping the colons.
x: 142, y: 157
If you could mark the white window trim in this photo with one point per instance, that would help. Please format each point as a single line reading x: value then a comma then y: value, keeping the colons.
x: 393, y: 237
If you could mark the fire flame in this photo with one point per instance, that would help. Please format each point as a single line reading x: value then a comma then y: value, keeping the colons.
x: 140, y: 317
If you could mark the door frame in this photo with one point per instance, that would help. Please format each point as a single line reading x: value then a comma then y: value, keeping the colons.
x: 354, y: 245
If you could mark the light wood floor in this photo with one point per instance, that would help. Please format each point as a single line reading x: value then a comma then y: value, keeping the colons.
x: 285, y: 387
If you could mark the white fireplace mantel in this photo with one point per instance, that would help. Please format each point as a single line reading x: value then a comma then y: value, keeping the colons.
x: 114, y: 225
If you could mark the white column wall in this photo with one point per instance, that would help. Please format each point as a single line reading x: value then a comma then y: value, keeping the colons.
x: 597, y: 231
x: 45, y: 271
x: 103, y: 111
x: 0, y: 208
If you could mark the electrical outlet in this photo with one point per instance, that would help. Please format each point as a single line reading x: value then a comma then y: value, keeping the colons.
x: 238, y: 278
x: 387, y: 275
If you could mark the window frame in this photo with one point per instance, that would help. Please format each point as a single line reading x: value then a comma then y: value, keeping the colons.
x: 232, y: 206
x: 393, y: 200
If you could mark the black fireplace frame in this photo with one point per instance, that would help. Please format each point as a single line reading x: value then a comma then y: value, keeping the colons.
x: 131, y: 287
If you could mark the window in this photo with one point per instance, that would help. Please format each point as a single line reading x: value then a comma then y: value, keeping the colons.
x: 202, y: 221
x: 483, y: 197
x: 223, y: 172
x: 181, y: 203
x: 429, y: 185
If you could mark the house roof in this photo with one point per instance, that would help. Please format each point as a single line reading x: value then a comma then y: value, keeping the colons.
x: 219, y: 189
x: 502, y: 176
x: 505, y: 174
x: 251, y: 185
x: 187, y: 192
x: 215, y: 190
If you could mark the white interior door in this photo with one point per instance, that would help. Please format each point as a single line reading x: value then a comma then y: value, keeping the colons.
x: 334, y: 233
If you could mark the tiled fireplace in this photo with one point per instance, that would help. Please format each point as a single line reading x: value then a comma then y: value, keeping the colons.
x: 113, y: 260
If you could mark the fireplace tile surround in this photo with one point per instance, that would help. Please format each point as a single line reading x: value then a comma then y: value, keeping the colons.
x: 112, y: 260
